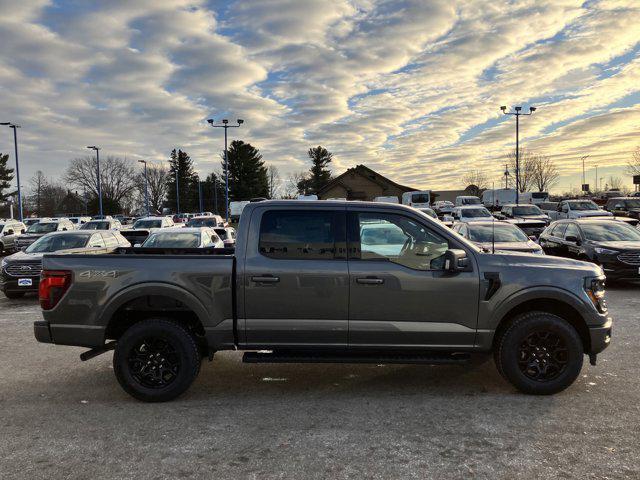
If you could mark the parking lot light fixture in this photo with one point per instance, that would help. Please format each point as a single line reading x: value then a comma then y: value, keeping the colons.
x: 517, y: 113
x: 97, y: 150
x: 225, y: 125
x: 15, y: 146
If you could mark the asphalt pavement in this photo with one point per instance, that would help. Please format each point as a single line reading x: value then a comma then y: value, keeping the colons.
x: 65, y: 419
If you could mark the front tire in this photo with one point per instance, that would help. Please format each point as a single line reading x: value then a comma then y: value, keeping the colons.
x: 156, y: 360
x: 540, y: 353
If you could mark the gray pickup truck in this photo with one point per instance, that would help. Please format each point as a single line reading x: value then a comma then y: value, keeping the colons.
x: 330, y: 282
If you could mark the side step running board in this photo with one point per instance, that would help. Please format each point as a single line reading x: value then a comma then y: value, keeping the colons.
x: 320, y: 357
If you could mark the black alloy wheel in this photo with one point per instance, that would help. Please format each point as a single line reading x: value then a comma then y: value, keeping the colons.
x: 543, y: 356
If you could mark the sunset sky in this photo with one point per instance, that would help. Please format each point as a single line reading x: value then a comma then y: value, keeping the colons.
x: 412, y: 89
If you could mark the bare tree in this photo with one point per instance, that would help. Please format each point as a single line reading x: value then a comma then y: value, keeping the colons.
x: 157, y: 176
x: 615, y: 183
x: 477, y: 178
x: 291, y: 184
x: 38, y: 185
x: 545, y: 172
x: 117, y: 176
x: 633, y: 166
x: 274, y: 182
x: 527, y: 169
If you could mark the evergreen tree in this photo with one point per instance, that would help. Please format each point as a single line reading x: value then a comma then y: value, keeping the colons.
x: 319, y: 173
x: 181, y: 166
x: 6, y: 176
x: 247, y: 172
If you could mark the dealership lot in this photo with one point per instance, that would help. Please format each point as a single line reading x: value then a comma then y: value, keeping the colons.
x: 62, y: 418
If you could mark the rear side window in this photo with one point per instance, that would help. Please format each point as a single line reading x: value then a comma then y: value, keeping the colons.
x: 558, y: 230
x: 298, y: 235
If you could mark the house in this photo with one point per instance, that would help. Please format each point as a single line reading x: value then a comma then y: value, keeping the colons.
x: 362, y: 183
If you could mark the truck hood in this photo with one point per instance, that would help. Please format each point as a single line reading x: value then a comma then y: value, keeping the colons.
x: 554, y: 265
x: 22, y: 256
x: 526, y: 247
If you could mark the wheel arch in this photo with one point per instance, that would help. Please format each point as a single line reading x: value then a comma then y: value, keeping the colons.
x: 140, y: 302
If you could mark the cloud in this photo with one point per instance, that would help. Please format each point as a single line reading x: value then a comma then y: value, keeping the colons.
x: 411, y: 88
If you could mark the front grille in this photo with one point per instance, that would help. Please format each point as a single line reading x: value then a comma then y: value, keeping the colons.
x: 24, y: 269
x: 630, y: 258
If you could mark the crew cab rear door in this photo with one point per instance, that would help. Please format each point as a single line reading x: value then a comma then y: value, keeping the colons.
x: 400, y: 295
x: 295, y: 278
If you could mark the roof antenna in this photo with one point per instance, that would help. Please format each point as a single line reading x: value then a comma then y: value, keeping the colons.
x: 493, y: 226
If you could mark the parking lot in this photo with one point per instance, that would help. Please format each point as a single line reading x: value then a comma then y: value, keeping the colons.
x: 62, y: 418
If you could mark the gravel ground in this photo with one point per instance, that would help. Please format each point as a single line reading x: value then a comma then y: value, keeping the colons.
x: 62, y: 418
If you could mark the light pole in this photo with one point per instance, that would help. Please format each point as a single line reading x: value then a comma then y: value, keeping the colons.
x: 517, y: 112
x: 584, y: 179
x: 15, y: 146
x: 200, y: 194
x: 146, y: 186
x: 506, y: 176
x: 225, y: 125
x: 177, y: 189
x: 97, y: 150
x: 215, y: 195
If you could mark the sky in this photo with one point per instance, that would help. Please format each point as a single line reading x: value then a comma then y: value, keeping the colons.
x: 411, y: 89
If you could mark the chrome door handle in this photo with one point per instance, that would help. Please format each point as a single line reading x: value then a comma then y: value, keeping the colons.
x: 265, y: 279
x: 370, y: 280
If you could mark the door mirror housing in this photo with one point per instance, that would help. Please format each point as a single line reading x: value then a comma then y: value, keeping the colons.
x: 456, y: 260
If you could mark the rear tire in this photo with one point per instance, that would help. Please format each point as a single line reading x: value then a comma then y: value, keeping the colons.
x: 13, y: 295
x: 539, y: 353
x: 156, y: 360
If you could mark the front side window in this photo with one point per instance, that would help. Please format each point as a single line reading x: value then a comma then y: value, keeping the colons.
x: 571, y: 231
x: 148, y: 224
x: 95, y: 226
x: 610, y: 232
x: 399, y: 239
x: 298, y: 235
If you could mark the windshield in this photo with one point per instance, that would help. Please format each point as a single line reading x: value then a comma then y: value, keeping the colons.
x: 42, y: 228
x: 95, y: 226
x: 610, y: 232
x: 202, y: 222
x: 53, y: 243
x: 148, y: 224
x: 585, y: 205
x: 173, y: 240
x: 503, y: 233
x: 475, y: 213
x: 420, y: 198
x: 527, y: 210
x: 470, y: 201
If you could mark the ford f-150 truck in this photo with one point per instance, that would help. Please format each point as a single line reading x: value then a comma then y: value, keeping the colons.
x: 327, y: 281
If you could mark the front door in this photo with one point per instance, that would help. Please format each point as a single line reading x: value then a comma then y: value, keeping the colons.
x: 296, y: 279
x: 401, y: 296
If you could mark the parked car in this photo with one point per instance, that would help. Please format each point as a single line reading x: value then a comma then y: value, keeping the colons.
x: 40, y: 229
x: 110, y: 224
x: 417, y: 198
x: 305, y: 286
x: 197, y: 237
x: 9, y: 232
x: 30, y: 221
x: 471, y: 213
x: 624, y: 207
x: 498, y: 236
x: 20, y: 272
x: 578, y: 209
x: 79, y: 221
x: 612, y: 244
x: 145, y: 226
x: 208, y: 221
x: 463, y: 200
x: 547, y: 207
x: 527, y: 217
x: 443, y: 207
x: 533, y: 198
x: 227, y: 235
x: 182, y: 217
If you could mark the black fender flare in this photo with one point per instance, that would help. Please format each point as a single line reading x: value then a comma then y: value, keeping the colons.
x: 156, y: 289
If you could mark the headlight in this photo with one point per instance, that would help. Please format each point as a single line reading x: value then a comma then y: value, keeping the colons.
x: 594, y: 286
x: 605, y: 251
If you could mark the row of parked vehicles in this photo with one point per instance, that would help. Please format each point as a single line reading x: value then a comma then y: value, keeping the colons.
x: 20, y: 272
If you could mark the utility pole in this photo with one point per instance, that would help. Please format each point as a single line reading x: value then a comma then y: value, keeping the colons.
x: 97, y: 150
x: 517, y: 112
x: 15, y: 146
x: 225, y: 125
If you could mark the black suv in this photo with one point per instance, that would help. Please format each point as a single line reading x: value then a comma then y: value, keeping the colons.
x: 624, y: 207
x: 610, y: 243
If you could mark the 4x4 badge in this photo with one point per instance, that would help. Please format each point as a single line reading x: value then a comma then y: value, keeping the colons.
x: 98, y: 273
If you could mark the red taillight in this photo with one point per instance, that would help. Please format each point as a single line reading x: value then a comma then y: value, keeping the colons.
x: 53, y: 285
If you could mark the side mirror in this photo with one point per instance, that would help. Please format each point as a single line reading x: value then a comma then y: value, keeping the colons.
x: 455, y: 260
x: 572, y: 239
